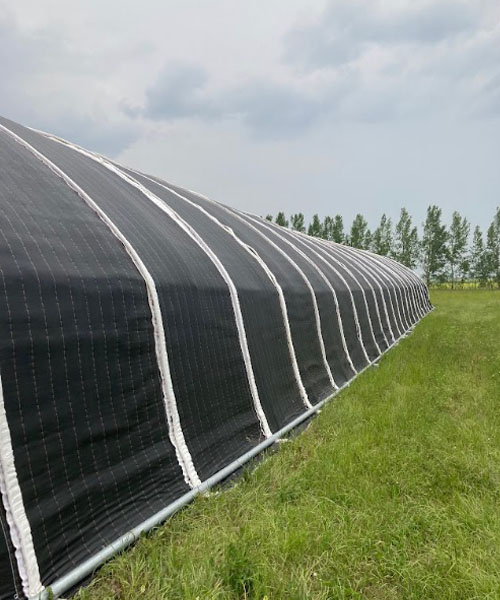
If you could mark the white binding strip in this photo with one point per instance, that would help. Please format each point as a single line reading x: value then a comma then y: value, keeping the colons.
x: 408, y: 289
x: 200, y: 242
x: 386, y: 277
x: 419, y: 293
x: 414, y: 281
x: 277, y: 248
x: 353, y: 264
x: 270, y: 274
x: 17, y: 520
x: 401, y: 285
x: 314, y: 242
x: 409, y: 293
x: 275, y: 231
x: 377, y: 273
x: 401, y: 288
x: 413, y: 284
x: 420, y: 289
x: 405, y: 291
x: 174, y: 426
x: 381, y: 284
x: 359, y: 333
x: 14, y: 569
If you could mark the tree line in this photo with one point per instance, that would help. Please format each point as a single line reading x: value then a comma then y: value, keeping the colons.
x: 445, y: 254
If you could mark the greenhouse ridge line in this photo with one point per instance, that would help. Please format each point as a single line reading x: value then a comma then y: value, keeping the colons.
x: 363, y: 294
x: 381, y: 273
x: 236, y: 213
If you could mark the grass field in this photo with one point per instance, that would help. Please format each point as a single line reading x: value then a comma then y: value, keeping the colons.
x: 393, y: 492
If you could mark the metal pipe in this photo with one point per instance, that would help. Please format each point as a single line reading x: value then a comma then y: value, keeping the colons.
x: 81, y: 571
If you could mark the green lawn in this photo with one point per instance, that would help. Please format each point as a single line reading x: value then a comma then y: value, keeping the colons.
x: 392, y: 492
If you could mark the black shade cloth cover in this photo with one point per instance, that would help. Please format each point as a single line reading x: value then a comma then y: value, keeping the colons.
x: 149, y: 337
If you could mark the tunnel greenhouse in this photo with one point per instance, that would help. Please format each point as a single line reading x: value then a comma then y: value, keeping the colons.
x: 152, y: 341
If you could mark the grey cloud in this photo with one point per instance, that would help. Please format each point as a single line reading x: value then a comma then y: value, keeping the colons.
x: 176, y: 93
x: 267, y: 109
x: 345, y: 29
x: 22, y: 54
x: 429, y: 24
x: 427, y: 58
x: 21, y: 59
x: 28, y: 62
x: 272, y: 110
x: 488, y: 103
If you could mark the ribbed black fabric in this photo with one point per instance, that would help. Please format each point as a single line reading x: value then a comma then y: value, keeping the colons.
x: 257, y: 320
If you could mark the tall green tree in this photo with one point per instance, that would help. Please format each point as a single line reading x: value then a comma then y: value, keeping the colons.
x: 368, y: 243
x: 315, y: 227
x: 281, y: 219
x: 456, y: 249
x: 478, y: 260
x: 359, y: 230
x: 493, y: 248
x: 406, y: 248
x: 338, y: 230
x: 333, y: 229
x: 382, y: 237
x: 297, y: 221
x: 327, y: 229
x: 434, y: 239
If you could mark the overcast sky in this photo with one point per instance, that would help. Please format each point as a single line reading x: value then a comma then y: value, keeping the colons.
x: 297, y: 105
